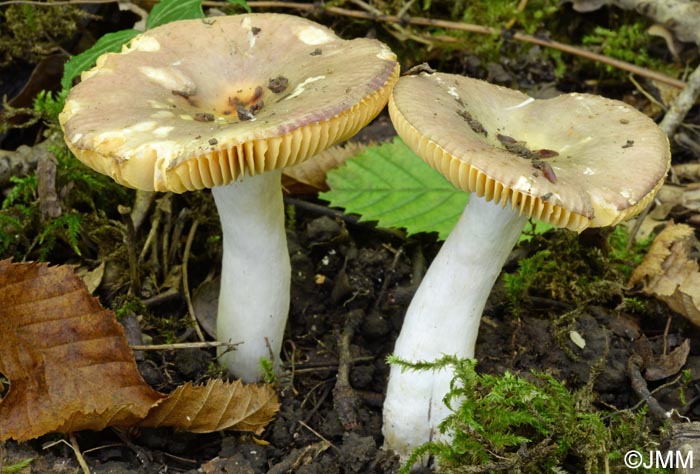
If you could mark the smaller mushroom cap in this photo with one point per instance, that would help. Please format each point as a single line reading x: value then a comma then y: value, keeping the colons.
x: 197, y: 103
x: 574, y: 161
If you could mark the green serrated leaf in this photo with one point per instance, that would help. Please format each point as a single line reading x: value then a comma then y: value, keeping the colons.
x: 389, y: 184
x: 242, y: 3
x: 86, y: 59
x: 166, y: 11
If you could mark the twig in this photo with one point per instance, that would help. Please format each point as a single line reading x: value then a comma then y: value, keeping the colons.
x: 419, y: 21
x: 347, y: 218
x: 182, y: 345
x: 386, y: 280
x: 130, y: 241
x: 161, y: 298
x: 666, y: 329
x: 346, y: 401
x: 319, y: 401
x: 141, y: 206
x: 185, y: 283
x: 470, y: 28
x: 639, y: 385
x: 319, y: 435
x: 404, y: 20
x: 44, y: 4
x: 682, y: 104
x: 78, y: 455
x: 152, y: 235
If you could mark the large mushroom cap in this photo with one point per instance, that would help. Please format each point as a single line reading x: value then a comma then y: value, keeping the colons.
x: 196, y: 103
x: 574, y: 161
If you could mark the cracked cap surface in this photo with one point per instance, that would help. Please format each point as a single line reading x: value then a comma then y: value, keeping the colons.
x: 196, y: 103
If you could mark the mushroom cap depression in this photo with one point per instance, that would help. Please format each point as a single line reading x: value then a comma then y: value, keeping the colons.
x: 574, y: 161
x: 196, y: 103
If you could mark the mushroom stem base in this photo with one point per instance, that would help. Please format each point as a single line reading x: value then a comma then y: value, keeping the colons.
x: 443, y: 318
x: 255, y: 273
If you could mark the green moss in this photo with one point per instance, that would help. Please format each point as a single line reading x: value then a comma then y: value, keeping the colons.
x: 527, y: 424
x: 268, y: 370
x: 627, y: 42
x: 128, y: 305
x: 30, y: 33
x: 624, y: 253
x: 563, y: 271
x: 570, y: 270
x: 87, y: 199
x: 506, y: 13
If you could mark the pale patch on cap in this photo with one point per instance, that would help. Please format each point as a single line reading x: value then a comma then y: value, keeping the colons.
x: 169, y: 78
x: 314, y: 36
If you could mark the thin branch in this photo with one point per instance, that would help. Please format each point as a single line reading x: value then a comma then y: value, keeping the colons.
x: 44, y: 4
x: 181, y: 346
x: 185, y: 280
x: 470, y: 28
x: 419, y: 21
x: 682, y: 104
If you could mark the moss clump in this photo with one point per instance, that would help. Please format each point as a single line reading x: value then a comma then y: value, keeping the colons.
x: 528, y: 424
x: 627, y: 42
x: 83, y: 194
x: 574, y: 269
x: 30, y: 33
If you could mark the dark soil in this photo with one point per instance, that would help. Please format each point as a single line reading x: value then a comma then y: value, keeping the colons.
x: 351, y: 285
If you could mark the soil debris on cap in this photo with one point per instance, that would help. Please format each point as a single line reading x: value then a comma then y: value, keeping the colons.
x: 278, y: 84
x: 204, y: 117
x: 519, y: 147
x: 473, y: 123
x: 419, y: 68
x: 183, y: 94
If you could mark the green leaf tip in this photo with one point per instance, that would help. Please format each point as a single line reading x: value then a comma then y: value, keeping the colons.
x: 389, y: 184
x: 242, y: 3
x: 111, y: 42
x: 167, y: 11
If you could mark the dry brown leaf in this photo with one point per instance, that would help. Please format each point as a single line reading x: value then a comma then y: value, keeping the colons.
x: 70, y: 367
x: 310, y: 175
x: 669, y: 274
x: 65, y: 356
x: 216, y: 406
x: 669, y: 364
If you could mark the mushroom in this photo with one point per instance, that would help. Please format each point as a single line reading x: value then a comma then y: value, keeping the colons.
x: 225, y: 103
x: 573, y: 161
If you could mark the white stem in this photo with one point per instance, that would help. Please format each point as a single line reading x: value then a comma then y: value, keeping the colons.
x: 443, y: 319
x: 255, y: 273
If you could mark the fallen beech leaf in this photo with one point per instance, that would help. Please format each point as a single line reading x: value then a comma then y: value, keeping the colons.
x: 65, y: 356
x: 669, y: 364
x: 70, y: 367
x: 91, y: 278
x: 669, y: 274
x: 310, y: 175
x: 216, y: 406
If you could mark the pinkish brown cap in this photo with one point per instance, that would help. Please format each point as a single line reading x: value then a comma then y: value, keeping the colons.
x: 196, y: 103
x: 574, y: 161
